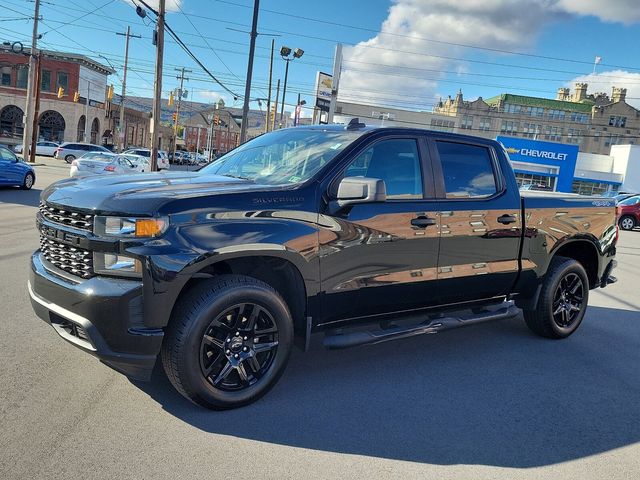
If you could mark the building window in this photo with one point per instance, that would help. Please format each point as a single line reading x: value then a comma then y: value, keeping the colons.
x: 442, y: 125
x: 531, y: 130
x: 582, y: 187
x: 553, y: 133
x: 510, y: 108
x: 45, y: 83
x: 5, y: 76
x: 467, y: 122
x: 556, y: 114
x: 617, y: 121
x: 535, y: 111
x: 22, y: 74
x: 612, y: 139
x: 579, y: 117
x: 509, y: 127
x: 485, y: 124
x: 532, y: 179
x: 574, y: 135
x: 62, y: 80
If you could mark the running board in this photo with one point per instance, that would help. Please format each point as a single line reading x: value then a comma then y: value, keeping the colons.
x: 433, y: 325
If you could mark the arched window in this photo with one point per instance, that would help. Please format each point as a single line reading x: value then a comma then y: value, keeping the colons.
x: 81, y: 124
x: 51, y: 126
x: 95, y: 130
x: 11, y: 122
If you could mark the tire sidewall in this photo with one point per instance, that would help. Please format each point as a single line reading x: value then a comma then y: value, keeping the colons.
x: 558, y: 275
x: 193, y: 379
x: 69, y: 158
x: 25, y: 184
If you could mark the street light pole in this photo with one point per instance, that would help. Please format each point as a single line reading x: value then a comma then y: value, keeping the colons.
x: 157, y: 87
x: 247, y: 88
x: 176, y: 121
x: 284, y: 53
x: 31, y: 85
x: 266, y: 127
x: 284, y: 88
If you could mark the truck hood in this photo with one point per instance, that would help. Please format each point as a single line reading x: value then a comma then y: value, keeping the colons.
x: 142, y: 193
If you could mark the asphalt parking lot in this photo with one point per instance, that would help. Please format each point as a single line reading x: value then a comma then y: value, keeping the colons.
x: 491, y: 401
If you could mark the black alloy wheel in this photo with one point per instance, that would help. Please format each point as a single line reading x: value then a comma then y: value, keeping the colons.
x: 228, y: 341
x: 238, y: 347
x: 568, y: 300
x: 562, y: 301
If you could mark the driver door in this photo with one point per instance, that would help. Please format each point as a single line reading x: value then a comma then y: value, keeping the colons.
x: 381, y: 257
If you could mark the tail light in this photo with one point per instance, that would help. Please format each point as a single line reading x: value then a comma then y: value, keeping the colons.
x: 110, y: 168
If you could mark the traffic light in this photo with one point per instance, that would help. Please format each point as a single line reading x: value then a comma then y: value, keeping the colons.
x: 76, y: 97
x: 60, y: 92
x: 110, y: 93
x: 171, y: 99
x: 174, y: 116
x: 272, y: 114
x: 216, y: 120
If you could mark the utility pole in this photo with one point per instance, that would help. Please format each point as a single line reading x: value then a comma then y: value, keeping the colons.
x: 34, y: 136
x: 178, y: 103
x: 337, y: 68
x: 121, y: 126
x: 86, y: 113
x: 157, y: 87
x: 31, y: 84
x: 275, y: 105
x: 273, y: 45
x: 284, y: 88
x: 247, y: 88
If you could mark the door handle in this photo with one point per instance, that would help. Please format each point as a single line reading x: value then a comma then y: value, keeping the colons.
x: 507, y: 219
x: 423, y: 222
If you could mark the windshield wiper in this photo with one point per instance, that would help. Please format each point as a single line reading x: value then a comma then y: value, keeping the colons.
x: 237, y: 176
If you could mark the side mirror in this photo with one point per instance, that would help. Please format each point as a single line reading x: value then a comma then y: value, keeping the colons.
x: 354, y: 190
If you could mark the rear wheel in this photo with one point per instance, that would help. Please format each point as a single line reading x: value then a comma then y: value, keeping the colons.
x: 228, y: 342
x: 28, y: 181
x: 562, y: 302
x: 70, y: 158
x: 627, y: 222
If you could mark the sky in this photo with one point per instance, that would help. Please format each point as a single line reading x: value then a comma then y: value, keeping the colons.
x: 397, y: 53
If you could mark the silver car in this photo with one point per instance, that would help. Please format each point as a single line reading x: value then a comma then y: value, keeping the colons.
x: 43, y: 148
x: 69, y: 151
x: 97, y: 163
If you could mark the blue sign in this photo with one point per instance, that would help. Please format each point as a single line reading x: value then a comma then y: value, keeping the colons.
x: 557, y: 155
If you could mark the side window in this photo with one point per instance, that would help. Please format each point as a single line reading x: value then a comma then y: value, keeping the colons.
x: 6, y: 155
x: 397, y: 162
x: 467, y: 169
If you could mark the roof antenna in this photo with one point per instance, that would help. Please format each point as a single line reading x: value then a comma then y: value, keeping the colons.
x: 354, y: 124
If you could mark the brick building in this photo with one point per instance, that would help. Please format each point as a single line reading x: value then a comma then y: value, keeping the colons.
x: 59, y: 119
x: 226, y: 134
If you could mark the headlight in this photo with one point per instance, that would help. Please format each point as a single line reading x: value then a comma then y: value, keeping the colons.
x: 116, y: 264
x: 129, y: 227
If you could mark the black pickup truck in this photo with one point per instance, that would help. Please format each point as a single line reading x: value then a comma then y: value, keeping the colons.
x: 363, y: 234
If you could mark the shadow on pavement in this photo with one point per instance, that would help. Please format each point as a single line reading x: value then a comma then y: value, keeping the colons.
x: 17, y: 196
x: 493, y: 394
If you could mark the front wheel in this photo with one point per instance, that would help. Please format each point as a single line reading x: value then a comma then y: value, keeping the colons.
x: 228, y: 342
x: 28, y: 181
x: 627, y: 222
x: 69, y: 158
x: 562, y: 302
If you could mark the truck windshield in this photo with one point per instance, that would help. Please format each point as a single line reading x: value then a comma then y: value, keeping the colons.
x: 283, y: 157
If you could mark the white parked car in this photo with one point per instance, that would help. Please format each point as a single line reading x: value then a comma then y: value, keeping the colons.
x: 43, y: 148
x: 98, y: 163
x: 163, y: 158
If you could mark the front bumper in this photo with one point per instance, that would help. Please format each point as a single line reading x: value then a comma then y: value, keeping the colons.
x: 102, y: 316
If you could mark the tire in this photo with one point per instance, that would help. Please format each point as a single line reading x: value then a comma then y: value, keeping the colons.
x: 207, y: 323
x: 555, y: 297
x: 69, y: 158
x: 29, y: 180
x: 627, y: 222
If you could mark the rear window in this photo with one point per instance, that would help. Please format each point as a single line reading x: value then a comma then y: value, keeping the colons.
x: 467, y: 169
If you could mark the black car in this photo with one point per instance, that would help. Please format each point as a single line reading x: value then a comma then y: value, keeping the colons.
x: 364, y: 235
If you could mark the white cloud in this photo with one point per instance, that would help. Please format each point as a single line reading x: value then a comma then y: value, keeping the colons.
x: 623, y: 11
x: 605, y: 81
x: 170, y: 5
x: 382, y: 70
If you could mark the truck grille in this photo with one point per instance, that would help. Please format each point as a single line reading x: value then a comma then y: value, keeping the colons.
x: 82, y: 221
x: 74, y: 260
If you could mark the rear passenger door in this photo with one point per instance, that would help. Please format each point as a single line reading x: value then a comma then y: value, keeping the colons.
x: 480, y: 222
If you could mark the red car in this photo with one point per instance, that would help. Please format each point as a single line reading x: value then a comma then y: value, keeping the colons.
x: 629, y: 212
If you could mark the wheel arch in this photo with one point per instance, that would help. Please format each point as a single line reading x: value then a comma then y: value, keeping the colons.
x: 584, y: 252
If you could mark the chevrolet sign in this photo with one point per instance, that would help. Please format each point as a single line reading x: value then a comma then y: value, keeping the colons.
x: 532, y: 152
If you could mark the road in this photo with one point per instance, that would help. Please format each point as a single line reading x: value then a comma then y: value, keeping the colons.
x: 488, y: 402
